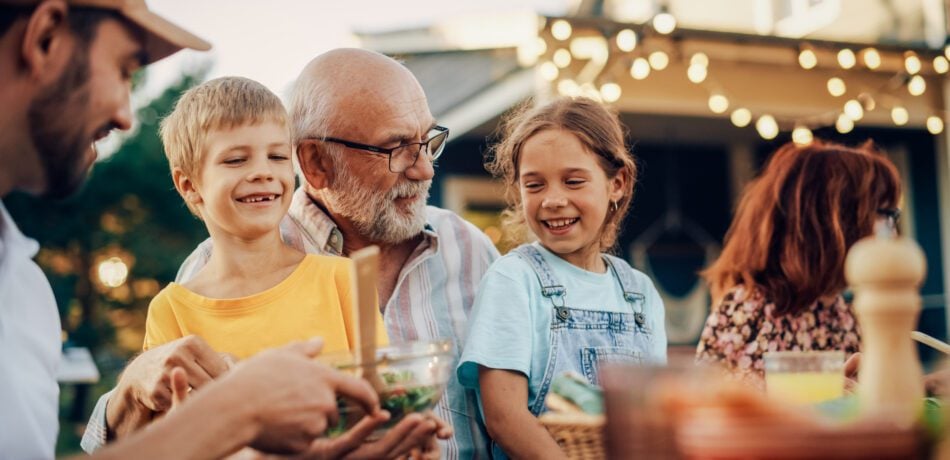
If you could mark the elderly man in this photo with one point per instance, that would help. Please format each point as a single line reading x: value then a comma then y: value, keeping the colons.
x: 65, y: 76
x: 366, y: 143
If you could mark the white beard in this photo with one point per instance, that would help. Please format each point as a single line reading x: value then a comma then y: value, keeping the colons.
x: 375, y: 214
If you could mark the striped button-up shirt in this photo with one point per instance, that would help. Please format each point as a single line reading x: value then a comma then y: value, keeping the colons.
x: 432, y: 300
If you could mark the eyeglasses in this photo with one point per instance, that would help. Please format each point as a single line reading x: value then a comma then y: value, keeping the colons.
x: 404, y: 156
x: 891, y: 215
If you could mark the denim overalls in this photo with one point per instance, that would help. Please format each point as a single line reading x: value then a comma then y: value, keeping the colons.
x: 581, y: 340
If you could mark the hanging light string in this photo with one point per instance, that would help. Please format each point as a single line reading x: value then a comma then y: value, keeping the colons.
x: 580, y: 65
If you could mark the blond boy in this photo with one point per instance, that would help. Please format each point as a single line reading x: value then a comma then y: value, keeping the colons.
x: 228, y: 147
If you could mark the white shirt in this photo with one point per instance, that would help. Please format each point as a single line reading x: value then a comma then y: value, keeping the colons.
x: 29, y: 350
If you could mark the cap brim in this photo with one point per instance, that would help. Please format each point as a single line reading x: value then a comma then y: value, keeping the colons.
x: 163, y: 38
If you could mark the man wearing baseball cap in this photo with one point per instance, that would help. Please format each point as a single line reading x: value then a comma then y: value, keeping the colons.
x: 65, y: 76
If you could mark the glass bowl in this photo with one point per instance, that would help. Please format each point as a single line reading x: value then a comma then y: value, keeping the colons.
x: 414, y: 376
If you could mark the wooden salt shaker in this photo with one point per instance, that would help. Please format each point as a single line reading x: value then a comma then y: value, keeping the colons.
x: 885, y: 273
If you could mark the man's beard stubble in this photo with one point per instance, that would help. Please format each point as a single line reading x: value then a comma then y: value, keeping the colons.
x: 59, y: 140
x: 375, y: 214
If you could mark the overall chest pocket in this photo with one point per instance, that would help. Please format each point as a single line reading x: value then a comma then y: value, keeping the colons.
x: 594, y: 357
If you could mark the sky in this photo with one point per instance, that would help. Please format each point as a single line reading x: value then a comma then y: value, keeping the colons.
x: 272, y: 41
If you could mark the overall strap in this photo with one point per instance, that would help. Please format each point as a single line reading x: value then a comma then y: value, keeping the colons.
x: 550, y: 287
x: 629, y: 287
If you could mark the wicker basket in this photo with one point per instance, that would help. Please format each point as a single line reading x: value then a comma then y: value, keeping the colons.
x: 580, y: 435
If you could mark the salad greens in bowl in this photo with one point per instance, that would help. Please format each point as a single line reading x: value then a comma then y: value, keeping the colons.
x: 414, y: 375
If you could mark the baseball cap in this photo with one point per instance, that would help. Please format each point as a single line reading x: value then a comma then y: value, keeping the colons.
x: 162, y: 37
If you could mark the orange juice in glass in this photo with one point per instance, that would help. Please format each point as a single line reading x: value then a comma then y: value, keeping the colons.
x: 804, y: 377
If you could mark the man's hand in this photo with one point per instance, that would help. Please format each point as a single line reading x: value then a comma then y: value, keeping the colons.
x: 415, y: 436
x: 144, y: 389
x: 294, y: 398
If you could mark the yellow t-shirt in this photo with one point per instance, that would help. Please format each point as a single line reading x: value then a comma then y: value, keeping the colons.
x: 315, y: 300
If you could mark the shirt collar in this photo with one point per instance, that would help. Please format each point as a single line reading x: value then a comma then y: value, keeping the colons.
x: 12, y: 240
x: 323, y: 230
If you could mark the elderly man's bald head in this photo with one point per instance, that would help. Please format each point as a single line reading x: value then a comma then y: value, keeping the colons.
x: 344, y: 87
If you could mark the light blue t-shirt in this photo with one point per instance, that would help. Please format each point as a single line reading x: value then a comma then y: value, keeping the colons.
x: 510, y: 321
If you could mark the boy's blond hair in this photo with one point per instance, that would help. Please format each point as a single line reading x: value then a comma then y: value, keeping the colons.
x: 222, y: 103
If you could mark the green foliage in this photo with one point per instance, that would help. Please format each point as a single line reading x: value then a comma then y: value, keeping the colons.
x: 129, y: 208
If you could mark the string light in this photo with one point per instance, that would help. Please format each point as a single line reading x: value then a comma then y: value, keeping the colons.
x: 941, y: 65
x: 699, y: 59
x: 610, y: 92
x: 807, y: 59
x: 562, y: 58
x: 912, y: 62
x: 867, y: 102
x: 917, y: 85
x: 899, y: 115
x: 561, y: 30
x: 934, y: 125
x: 836, y: 87
x: 718, y: 103
x: 640, y: 69
x: 946, y: 51
x: 627, y: 40
x: 846, y: 58
x: 741, y: 117
x: 541, y: 46
x: 872, y: 59
x: 844, y: 124
x: 549, y: 71
x: 659, y: 60
x: 802, y: 135
x: 854, y: 110
x: 767, y: 127
x: 696, y: 73
x: 568, y: 87
x: 664, y: 23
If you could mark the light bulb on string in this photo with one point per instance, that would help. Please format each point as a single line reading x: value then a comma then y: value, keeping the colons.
x: 699, y: 59
x: 696, y: 73
x: 626, y: 40
x: 912, y: 62
x: 934, y: 125
x: 664, y: 23
x: 541, y: 46
x: 568, y: 87
x: 659, y: 60
x: 916, y: 85
x: 802, y: 135
x: 846, y: 58
x: 561, y: 30
x: 872, y: 59
x: 807, y: 59
x: 836, y: 87
x: 867, y: 102
x: 718, y: 103
x: 640, y: 69
x: 854, y: 110
x: 900, y: 115
x: 844, y: 124
x: 562, y: 58
x: 549, y: 71
x: 941, y: 65
x: 741, y: 117
x: 610, y: 92
x: 767, y: 127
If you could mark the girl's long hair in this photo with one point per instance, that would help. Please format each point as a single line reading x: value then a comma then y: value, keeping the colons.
x: 797, y: 220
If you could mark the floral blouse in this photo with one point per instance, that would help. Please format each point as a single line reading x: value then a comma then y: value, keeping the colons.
x: 737, y: 331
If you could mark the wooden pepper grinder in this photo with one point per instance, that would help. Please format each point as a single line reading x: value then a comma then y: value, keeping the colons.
x: 885, y: 273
